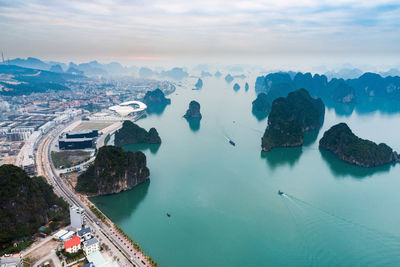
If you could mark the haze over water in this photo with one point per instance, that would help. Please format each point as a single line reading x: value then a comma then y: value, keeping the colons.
x: 225, y: 210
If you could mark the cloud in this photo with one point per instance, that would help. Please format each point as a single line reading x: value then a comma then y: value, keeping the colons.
x: 173, y: 29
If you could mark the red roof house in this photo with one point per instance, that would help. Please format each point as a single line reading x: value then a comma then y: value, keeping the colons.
x: 73, y: 245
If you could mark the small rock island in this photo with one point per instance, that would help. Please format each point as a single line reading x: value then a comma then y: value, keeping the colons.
x: 341, y: 141
x: 193, y: 111
x: 199, y: 84
x: 114, y: 170
x: 131, y: 133
x: 156, y: 97
x: 229, y: 78
x: 290, y: 117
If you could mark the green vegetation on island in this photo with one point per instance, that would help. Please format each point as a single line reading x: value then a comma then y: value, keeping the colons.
x: 26, y: 204
x: 156, y: 97
x: 193, y: 110
x: 114, y: 170
x: 261, y: 104
x: 341, y: 141
x: 290, y: 117
x: 131, y: 133
x: 199, y: 84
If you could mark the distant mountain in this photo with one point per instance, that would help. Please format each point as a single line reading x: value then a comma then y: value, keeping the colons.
x: 74, y: 71
x: 290, y: 117
x: 26, y: 80
x: 341, y: 141
x: 368, y: 88
x: 56, y: 68
x: 344, y: 73
x: 30, y: 62
x: 206, y: 74
x: 175, y: 73
x: 92, y: 68
x: 391, y: 72
x: 145, y: 72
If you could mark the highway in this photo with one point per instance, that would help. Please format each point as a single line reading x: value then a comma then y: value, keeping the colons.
x: 119, y: 248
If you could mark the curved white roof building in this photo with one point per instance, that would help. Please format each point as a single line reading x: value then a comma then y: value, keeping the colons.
x: 129, y: 108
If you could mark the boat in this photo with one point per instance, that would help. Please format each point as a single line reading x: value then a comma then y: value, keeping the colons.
x: 169, y: 215
x: 280, y: 192
x: 232, y: 143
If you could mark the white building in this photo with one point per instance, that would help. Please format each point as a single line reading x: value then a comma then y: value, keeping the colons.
x: 77, y: 216
x: 91, y: 245
x: 85, y: 233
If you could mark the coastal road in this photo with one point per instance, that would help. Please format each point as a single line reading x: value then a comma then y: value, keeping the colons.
x: 119, y: 249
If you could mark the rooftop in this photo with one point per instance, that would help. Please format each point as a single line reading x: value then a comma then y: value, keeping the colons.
x: 74, y: 241
x: 90, y: 242
x: 97, y: 259
x: 84, y: 231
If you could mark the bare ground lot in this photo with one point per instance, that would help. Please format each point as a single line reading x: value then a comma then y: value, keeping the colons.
x: 43, y: 250
x: 85, y: 125
x: 69, y: 158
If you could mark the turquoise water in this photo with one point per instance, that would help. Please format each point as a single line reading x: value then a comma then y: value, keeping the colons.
x: 225, y: 210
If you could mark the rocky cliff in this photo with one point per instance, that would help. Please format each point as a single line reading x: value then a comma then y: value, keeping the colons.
x: 199, y: 84
x: 131, y: 133
x: 261, y: 103
x: 193, y: 111
x: 114, y: 170
x: 229, y: 78
x: 290, y: 117
x: 26, y: 204
x: 156, y: 97
x: 341, y: 141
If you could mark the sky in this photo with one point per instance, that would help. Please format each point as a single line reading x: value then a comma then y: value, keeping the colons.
x: 275, y: 32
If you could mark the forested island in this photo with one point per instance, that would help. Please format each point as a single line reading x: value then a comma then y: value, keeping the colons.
x: 261, y: 104
x: 193, y: 110
x: 369, y: 91
x: 341, y: 141
x: 26, y: 204
x: 156, y: 97
x: 131, y: 133
x: 199, y: 84
x: 290, y: 117
x: 114, y: 170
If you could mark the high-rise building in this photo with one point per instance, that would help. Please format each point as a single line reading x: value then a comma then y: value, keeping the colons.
x: 77, y: 217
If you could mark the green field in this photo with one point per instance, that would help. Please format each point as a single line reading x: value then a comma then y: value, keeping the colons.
x: 68, y: 159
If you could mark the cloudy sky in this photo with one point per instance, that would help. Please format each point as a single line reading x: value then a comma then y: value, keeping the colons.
x: 317, y: 31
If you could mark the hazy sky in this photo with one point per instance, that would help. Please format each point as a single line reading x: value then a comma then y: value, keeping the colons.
x: 315, y: 31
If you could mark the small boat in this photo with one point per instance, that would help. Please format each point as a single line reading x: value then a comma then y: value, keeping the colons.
x: 280, y: 192
x: 169, y: 215
x: 232, y: 143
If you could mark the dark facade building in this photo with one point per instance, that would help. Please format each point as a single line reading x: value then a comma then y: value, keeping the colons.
x: 76, y: 143
x: 82, y: 134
